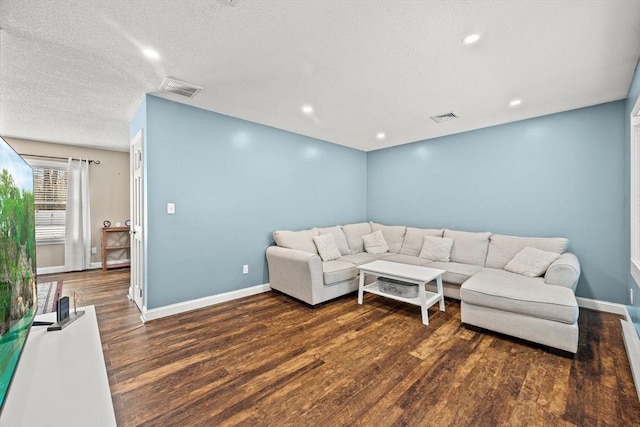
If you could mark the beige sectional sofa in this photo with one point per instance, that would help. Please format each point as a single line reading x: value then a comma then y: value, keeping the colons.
x: 493, y: 275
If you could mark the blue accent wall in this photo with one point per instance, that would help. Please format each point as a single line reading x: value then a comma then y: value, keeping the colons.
x: 557, y: 175
x: 234, y: 182
x: 632, y: 96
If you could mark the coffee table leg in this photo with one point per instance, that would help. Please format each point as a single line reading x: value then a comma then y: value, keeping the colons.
x: 423, y: 304
x: 440, y: 291
x: 361, y: 287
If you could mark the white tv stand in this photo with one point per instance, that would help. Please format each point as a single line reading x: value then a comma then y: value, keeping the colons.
x: 61, y: 378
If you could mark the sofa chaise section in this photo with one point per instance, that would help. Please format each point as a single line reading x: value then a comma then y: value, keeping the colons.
x: 538, y: 309
x: 523, y: 307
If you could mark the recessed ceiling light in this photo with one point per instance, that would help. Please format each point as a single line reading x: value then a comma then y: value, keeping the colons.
x: 150, y: 53
x: 307, y: 109
x: 380, y: 135
x: 515, y: 102
x: 470, y: 39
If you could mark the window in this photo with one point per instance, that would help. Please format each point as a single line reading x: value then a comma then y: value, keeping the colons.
x: 50, y: 198
x: 635, y: 192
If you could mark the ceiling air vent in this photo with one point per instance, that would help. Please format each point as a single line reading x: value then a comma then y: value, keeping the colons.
x: 444, y: 117
x: 179, y: 88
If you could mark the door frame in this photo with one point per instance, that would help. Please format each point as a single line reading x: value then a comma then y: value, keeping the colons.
x: 137, y: 224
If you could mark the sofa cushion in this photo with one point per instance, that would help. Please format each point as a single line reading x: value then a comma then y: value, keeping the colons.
x: 359, y: 259
x: 468, y: 247
x: 338, y: 236
x: 299, y: 240
x: 414, y: 238
x: 354, y: 233
x: 327, y: 248
x: 531, y: 262
x: 503, y: 248
x: 338, y: 271
x: 407, y: 259
x: 456, y: 272
x: 502, y: 290
x: 393, y: 235
x: 375, y: 243
x: 436, y: 248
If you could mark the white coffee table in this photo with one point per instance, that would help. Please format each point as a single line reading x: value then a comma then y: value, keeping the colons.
x: 407, y: 273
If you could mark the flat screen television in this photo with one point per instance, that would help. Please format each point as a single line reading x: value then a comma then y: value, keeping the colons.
x: 18, y: 301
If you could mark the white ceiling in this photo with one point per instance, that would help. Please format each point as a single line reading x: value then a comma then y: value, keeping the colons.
x: 72, y: 71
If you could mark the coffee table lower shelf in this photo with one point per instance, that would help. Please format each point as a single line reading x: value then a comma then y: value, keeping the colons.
x: 409, y: 273
x: 432, y: 297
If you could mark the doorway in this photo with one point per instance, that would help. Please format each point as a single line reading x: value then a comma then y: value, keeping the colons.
x: 136, y: 290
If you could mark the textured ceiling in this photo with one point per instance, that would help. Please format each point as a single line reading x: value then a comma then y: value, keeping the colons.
x: 73, y: 72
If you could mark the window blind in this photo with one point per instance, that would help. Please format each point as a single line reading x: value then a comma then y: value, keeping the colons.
x: 50, y: 198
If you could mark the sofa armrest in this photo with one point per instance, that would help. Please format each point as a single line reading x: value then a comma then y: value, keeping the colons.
x: 565, y: 271
x: 296, y: 273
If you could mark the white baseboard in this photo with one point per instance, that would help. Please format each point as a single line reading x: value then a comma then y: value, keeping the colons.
x: 96, y: 265
x: 50, y: 270
x: 632, y: 344
x: 110, y: 262
x: 607, y: 307
x: 181, y: 307
x: 629, y: 333
x: 60, y: 268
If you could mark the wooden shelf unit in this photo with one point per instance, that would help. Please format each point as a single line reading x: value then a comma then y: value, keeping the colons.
x: 119, y: 240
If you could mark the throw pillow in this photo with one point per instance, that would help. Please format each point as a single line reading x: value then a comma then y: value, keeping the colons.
x: 374, y: 243
x: 338, y: 236
x: 327, y: 247
x: 393, y: 235
x: 414, y: 238
x: 531, y: 262
x: 353, y: 233
x: 502, y: 247
x: 436, y: 248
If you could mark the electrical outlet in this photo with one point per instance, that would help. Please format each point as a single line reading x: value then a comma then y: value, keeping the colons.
x: 94, y: 250
x: 245, y: 269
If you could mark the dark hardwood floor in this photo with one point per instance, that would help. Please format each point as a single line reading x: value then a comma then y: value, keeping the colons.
x: 271, y: 360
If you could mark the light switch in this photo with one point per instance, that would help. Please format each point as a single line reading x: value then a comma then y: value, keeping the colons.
x: 171, y: 208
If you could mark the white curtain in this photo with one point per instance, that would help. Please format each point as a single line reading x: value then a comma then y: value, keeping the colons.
x: 77, y: 247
